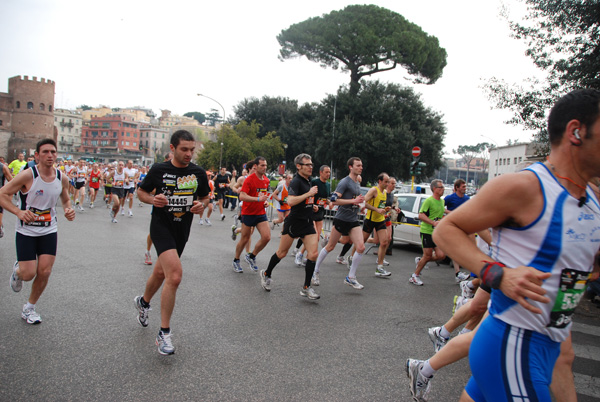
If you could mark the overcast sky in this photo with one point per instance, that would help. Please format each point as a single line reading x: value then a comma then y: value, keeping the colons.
x: 160, y: 54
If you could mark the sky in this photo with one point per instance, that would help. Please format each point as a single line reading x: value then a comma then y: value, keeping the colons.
x: 160, y: 54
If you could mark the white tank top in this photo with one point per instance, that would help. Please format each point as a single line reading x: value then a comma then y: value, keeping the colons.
x: 119, y: 179
x: 41, y: 200
x: 562, y: 240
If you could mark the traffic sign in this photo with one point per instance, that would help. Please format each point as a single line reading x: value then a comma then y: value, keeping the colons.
x: 416, y: 152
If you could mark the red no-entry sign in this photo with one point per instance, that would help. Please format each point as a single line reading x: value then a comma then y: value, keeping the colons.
x: 416, y: 152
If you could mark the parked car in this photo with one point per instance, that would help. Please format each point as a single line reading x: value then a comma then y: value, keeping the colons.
x: 409, y: 230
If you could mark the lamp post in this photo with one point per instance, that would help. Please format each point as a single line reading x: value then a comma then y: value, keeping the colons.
x: 497, y: 151
x: 214, y: 100
x: 221, y: 158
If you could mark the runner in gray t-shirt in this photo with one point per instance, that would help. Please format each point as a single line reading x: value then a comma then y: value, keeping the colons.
x: 347, y: 196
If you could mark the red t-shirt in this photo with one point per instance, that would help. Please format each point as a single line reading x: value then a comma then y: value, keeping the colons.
x: 95, y: 179
x: 253, y: 186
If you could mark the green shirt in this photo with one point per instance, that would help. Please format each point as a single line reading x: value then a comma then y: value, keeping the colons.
x: 16, y: 166
x: 434, y: 209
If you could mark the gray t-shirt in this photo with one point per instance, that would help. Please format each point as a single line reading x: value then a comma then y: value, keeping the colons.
x: 348, y: 189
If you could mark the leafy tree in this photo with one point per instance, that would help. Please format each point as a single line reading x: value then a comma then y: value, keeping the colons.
x: 380, y: 126
x: 213, y: 117
x: 199, y: 117
x: 364, y: 40
x: 468, y: 153
x: 85, y: 107
x: 563, y: 40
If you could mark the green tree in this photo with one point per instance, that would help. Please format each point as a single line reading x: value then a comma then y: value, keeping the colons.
x: 85, y: 107
x: 199, y: 117
x: 563, y: 40
x: 364, y: 40
x: 213, y: 117
x: 380, y: 125
x: 468, y: 153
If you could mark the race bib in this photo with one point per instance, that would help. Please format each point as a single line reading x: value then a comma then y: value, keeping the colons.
x: 222, y: 185
x: 181, y: 200
x: 321, y: 201
x: 42, y: 217
x: 570, y: 291
x: 95, y: 179
x: 118, y: 183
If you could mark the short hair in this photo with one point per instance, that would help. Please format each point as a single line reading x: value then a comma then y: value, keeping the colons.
x: 581, y: 104
x: 250, y: 164
x: 322, y: 168
x: 168, y: 156
x: 458, y: 183
x: 382, y: 176
x: 435, y: 183
x: 43, y: 142
x: 181, y: 135
x: 298, y: 159
x: 258, y: 159
x: 352, y: 160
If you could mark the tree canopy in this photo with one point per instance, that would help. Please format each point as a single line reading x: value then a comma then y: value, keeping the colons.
x: 469, y: 152
x: 563, y: 40
x: 199, y: 117
x: 364, y: 40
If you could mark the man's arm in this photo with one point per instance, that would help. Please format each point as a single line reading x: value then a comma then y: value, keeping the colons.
x: 7, y: 173
x: 515, y: 198
x: 19, y: 182
x: 262, y: 197
x: 372, y: 193
x: 297, y: 199
x: 65, y: 199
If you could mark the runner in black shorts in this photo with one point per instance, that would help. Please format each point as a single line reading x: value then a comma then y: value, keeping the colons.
x: 221, y: 186
x: 298, y: 223
x: 181, y: 190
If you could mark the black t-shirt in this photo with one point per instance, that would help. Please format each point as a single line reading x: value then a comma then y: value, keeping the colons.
x: 181, y: 186
x: 221, y: 182
x: 304, y: 210
x: 323, y: 193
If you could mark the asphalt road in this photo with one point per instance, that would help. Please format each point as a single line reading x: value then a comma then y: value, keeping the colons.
x: 233, y: 340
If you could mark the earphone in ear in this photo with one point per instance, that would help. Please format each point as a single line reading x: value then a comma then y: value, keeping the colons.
x: 576, y: 134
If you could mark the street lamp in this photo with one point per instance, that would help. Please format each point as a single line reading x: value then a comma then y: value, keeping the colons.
x: 221, y: 159
x: 497, y: 151
x: 214, y: 100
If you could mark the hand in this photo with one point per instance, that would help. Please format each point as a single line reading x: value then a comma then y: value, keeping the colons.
x: 381, y: 211
x: 160, y: 201
x: 315, y: 208
x: 197, y: 207
x: 525, y: 282
x: 262, y: 197
x: 434, y: 223
x: 69, y: 214
x: 26, y: 216
x: 313, y: 190
x: 359, y: 200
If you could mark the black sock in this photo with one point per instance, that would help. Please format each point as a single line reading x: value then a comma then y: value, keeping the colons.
x: 272, y: 263
x: 345, y: 249
x: 299, y: 243
x: 236, y: 260
x: 252, y: 256
x: 165, y: 330
x: 308, y: 272
x: 144, y: 303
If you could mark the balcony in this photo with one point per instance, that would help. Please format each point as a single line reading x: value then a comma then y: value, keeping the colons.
x: 66, y: 124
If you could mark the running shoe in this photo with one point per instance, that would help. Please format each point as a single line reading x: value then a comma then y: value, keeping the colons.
x: 418, y: 383
x: 130, y: 214
x: 148, y: 260
x: 438, y: 340
x: 380, y: 271
x: 76, y: 202
x: 236, y: 218
x: 164, y: 343
x: 304, y: 261
x: 251, y: 262
x: 222, y: 217
x: 340, y: 260
x: 310, y: 293
x: 233, y: 233
x: 386, y: 263
x: 1, y: 232
x: 324, y: 241
x: 298, y: 259
x: 142, y: 317
x: 30, y: 316
x: 123, y: 212
x: 349, y: 261
x: 416, y: 280
x: 459, y: 301
x: 461, y: 276
x: 207, y: 221
x: 16, y: 283
x: 353, y: 282
x: 80, y: 208
x: 294, y: 252
x: 201, y: 222
x: 237, y: 267
x: 315, y: 279
x: 91, y: 205
x: 114, y: 220
x: 417, y: 259
x: 465, y: 290
x: 265, y: 281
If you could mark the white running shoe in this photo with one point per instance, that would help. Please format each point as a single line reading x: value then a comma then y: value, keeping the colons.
x: 465, y: 290
x: 353, y: 282
x: 461, y: 276
x: 380, y: 271
x: 340, y: 260
x: 201, y: 222
x: 30, y: 316
x: 310, y: 293
x: 349, y: 261
x: 436, y: 338
x: 417, y: 259
x: 419, y: 384
x: 164, y: 343
x: 315, y: 279
x: 148, y: 260
x: 123, y: 212
x: 416, y: 280
x: 298, y: 259
x: 207, y: 221
x: 16, y: 283
x: 142, y: 317
x: 265, y: 281
x: 130, y: 214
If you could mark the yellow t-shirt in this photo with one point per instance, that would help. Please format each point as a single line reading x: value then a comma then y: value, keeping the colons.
x: 377, y: 202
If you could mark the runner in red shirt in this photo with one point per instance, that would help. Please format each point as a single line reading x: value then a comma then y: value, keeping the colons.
x: 254, y: 195
x: 94, y: 178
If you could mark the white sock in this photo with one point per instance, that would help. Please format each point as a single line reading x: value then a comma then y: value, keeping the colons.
x: 470, y: 285
x: 427, y: 370
x: 355, y: 261
x: 29, y: 306
x: 444, y: 332
x: 464, y: 331
x: 320, y: 258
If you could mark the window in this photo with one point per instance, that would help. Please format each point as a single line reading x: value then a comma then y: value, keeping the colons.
x: 154, y: 135
x: 114, y: 134
x: 406, y: 202
x: 122, y: 142
x: 18, y: 105
x: 50, y: 108
x: 42, y: 107
x: 496, y: 162
x: 128, y: 134
x: 508, y: 161
x: 0, y: 122
x: 30, y: 105
x: 515, y: 161
x: 163, y: 136
x: 127, y: 143
x: 135, y: 144
x: 520, y: 159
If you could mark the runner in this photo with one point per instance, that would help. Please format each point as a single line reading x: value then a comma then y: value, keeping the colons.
x: 108, y: 183
x: 18, y: 164
x: 94, y: 178
x: 280, y: 195
x: 211, y: 185
x: 5, y: 176
x: 254, y: 197
x: 547, y: 220
x: 298, y: 223
x: 129, y: 185
x: 39, y: 189
x: 375, y: 200
x: 236, y: 188
x: 181, y: 190
x: 118, y: 193
x: 451, y: 202
x: 347, y: 195
x: 79, y: 174
x: 430, y: 214
x: 222, y: 183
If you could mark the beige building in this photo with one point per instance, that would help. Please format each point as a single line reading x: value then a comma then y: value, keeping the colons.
x: 510, y: 158
x: 68, y: 127
x: 99, y: 111
x: 168, y: 120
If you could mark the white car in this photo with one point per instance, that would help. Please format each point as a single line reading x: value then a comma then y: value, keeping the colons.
x: 409, y: 229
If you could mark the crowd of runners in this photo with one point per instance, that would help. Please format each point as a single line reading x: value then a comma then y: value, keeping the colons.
x: 529, y: 240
